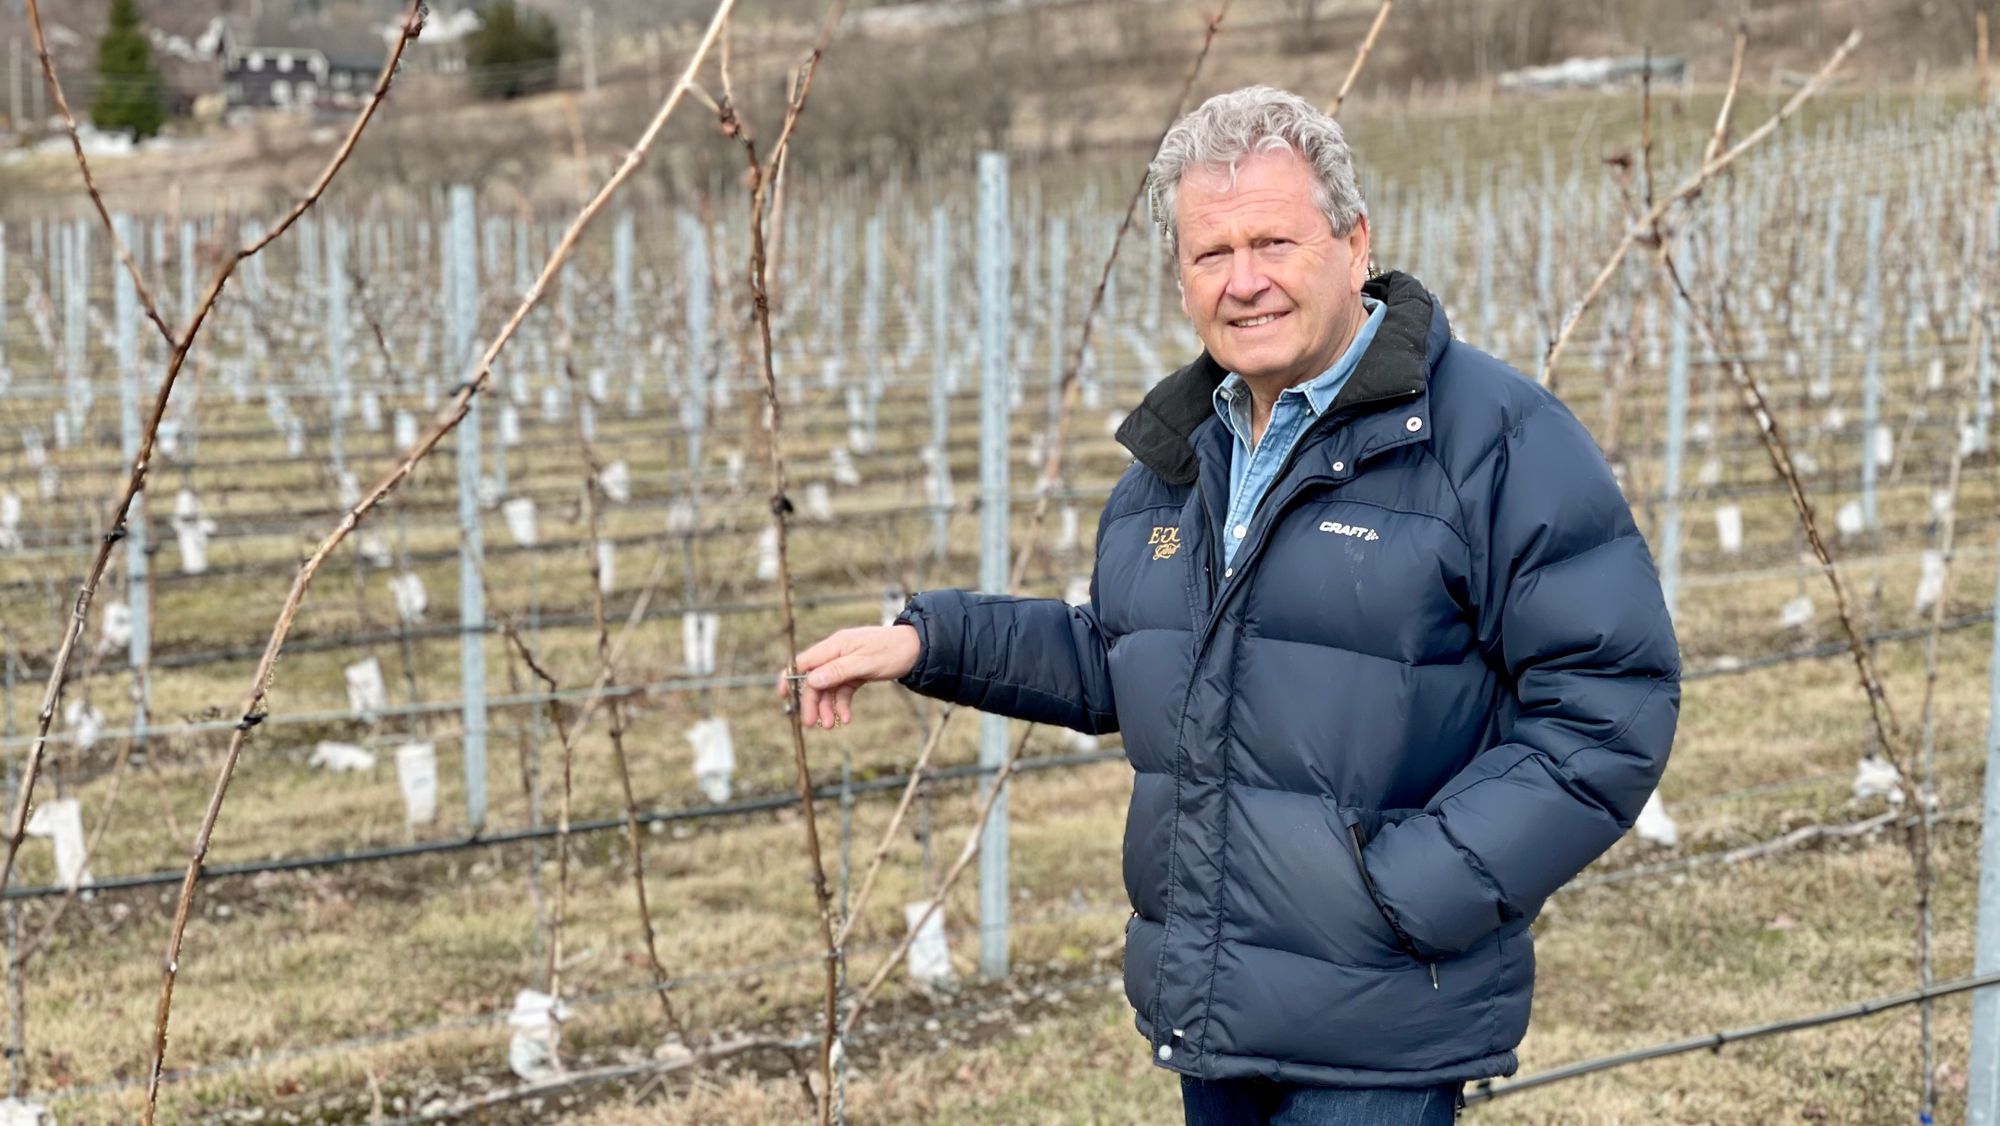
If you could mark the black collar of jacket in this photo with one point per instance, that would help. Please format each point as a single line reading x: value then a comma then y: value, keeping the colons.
x: 1396, y: 366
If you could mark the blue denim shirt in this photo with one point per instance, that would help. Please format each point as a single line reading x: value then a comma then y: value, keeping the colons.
x: 1252, y: 471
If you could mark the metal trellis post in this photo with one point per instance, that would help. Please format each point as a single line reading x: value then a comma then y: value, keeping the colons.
x: 3, y: 301
x: 16, y: 979
x: 1670, y: 488
x: 125, y: 307
x: 1871, y: 374
x: 1983, y: 1097
x: 184, y: 261
x: 993, y: 513
x: 940, y: 381
x: 336, y: 344
x: 621, y: 274
x: 471, y: 551
x: 1058, y: 296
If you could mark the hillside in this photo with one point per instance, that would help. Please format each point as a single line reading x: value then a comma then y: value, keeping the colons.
x: 1053, y: 77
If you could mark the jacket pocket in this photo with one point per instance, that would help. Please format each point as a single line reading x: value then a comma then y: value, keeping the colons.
x: 1290, y: 885
x: 1357, y: 840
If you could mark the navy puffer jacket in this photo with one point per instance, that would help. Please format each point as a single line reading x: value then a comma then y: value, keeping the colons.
x: 1438, y: 681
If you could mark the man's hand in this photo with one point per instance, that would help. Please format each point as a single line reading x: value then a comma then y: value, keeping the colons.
x: 845, y: 661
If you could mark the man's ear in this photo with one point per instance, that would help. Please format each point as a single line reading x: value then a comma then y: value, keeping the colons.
x: 1357, y: 248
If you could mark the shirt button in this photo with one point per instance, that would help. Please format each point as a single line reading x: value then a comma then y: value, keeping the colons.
x: 1414, y: 424
x: 1166, y: 1051
x: 1229, y: 573
x: 1239, y: 530
x: 1339, y: 467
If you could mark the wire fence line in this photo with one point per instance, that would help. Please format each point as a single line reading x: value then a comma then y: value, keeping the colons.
x: 848, y: 519
x: 1712, y: 667
x: 351, y: 640
x: 836, y: 596
x: 623, y: 429
x: 283, y: 527
x: 742, y: 807
x: 960, y: 773
x: 1716, y: 668
x: 1483, y: 1091
x: 1477, y: 1093
x: 1739, y: 666
x: 868, y: 1030
x: 1843, y: 353
x: 1757, y: 850
x: 866, y: 787
x: 494, y: 1016
x: 1486, y: 1090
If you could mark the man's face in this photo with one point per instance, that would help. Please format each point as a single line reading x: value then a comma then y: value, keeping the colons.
x: 1273, y: 293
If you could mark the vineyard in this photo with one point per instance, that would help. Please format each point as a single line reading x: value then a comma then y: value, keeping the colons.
x: 552, y: 650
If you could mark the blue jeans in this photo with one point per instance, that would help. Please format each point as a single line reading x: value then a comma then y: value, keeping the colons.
x: 1238, y: 1102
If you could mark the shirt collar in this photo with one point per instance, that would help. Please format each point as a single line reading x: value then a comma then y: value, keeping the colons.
x: 1320, y: 390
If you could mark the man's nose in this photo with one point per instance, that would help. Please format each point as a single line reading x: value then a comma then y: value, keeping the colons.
x: 1246, y: 279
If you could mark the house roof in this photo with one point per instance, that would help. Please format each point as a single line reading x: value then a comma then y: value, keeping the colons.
x: 353, y: 46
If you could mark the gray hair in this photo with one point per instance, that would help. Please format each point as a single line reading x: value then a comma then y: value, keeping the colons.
x: 1227, y: 128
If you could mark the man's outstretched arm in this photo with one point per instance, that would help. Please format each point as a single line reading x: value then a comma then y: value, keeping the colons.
x: 1038, y: 659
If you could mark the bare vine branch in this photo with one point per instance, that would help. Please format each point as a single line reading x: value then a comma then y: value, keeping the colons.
x: 1926, y: 786
x: 1771, y: 434
x: 90, y: 181
x: 1361, y: 57
x: 450, y: 416
x: 567, y: 735
x: 1070, y: 385
x: 762, y: 175
x: 970, y: 849
x: 1687, y: 190
x: 142, y: 459
x: 888, y: 840
x: 1720, y: 135
x: 607, y: 673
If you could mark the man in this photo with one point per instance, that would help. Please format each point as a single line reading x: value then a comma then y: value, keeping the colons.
x: 1389, y: 655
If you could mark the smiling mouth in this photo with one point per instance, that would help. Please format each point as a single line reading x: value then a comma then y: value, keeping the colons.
x: 1254, y: 322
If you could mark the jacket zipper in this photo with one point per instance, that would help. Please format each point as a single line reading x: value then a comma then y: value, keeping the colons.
x: 1219, y: 586
x: 1187, y: 701
x: 1227, y: 586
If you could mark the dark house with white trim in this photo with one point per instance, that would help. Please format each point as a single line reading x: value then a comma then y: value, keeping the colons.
x: 280, y: 69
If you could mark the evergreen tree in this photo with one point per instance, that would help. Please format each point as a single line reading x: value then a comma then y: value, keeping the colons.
x: 513, y: 52
x: 129, y: 93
